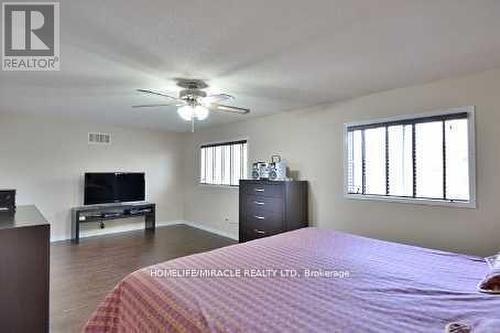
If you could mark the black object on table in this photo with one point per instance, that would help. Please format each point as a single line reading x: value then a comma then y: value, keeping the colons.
x: 101, y: 213
x: 24, y: 271
x: 7, y: 201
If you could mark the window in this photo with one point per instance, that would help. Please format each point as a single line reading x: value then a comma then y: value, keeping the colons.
x: 223, y: 163
x: 426, y: 159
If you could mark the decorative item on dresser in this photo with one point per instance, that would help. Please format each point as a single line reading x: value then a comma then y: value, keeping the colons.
x: 271, y: 207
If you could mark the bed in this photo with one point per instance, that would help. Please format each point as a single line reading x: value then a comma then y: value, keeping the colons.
x: 308, y: 280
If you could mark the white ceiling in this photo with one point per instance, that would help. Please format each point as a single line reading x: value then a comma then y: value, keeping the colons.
x: 272, y: 56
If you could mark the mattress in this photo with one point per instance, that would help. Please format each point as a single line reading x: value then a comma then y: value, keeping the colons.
x: 308, y: 280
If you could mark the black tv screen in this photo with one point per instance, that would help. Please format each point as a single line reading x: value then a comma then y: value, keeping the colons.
x: 101, y: 188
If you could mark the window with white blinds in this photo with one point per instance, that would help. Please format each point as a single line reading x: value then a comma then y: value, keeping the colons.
x: 223, y: 163
x: 426, y: 159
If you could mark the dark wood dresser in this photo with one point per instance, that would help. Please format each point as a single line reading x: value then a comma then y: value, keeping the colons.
x: 24, y: 271
x: 271, y: 207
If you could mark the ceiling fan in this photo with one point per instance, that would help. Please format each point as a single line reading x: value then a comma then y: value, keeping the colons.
x: 192, y: 102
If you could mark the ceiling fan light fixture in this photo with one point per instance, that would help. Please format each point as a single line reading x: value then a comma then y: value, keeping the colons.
x: 201, y: 112
x: 188, y: 112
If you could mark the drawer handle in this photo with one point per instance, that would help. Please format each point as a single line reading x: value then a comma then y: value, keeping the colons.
x: 259, y: 189
x: 259, y: 203
x: 259, y: 217
x: 259, y: 231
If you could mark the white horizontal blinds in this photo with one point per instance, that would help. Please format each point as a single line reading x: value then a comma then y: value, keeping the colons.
x: 203, y: 166
x: 226, y: 168
x: 218, y: 166
x: 209, y: 165
x: 424, y: 158
x: 224, y: 163
x: 429, y: 160
x: 457, y: 159
x: 375, y: 164
x: 236, y: 164
x: 400, y: 160
x: 354, y: 162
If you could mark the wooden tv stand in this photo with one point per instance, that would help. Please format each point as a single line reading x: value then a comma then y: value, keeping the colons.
x: 101, y: 213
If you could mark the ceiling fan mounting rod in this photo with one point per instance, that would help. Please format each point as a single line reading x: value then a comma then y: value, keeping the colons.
x: 192, y: 84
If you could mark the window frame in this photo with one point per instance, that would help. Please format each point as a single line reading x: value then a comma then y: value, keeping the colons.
x: 471, y: 203
x: 216, y: 143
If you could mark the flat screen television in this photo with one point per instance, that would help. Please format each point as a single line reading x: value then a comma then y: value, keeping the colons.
x: 102, y: 188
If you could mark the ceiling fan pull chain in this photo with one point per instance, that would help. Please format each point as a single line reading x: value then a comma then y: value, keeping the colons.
x: 192, y: 124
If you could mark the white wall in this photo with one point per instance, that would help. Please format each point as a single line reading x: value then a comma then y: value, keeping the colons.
x: 311, y: 141
x: 45, y: 159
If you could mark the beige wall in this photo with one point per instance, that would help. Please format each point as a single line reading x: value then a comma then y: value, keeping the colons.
x: 45, y: 159
x: 311, y: 141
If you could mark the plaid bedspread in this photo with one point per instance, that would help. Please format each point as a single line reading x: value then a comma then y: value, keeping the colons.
x: 309, y: 280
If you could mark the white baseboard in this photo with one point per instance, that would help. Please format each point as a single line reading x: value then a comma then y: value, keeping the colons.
x: 210, y: 229
x: 169, y: 223
x: 140, y: 226
x: 58, y: 238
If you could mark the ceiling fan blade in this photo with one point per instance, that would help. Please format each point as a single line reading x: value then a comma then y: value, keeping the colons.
x: 217, y: 98
x: 231, y: 109
x: 153, y: 105
x: 152, y: 92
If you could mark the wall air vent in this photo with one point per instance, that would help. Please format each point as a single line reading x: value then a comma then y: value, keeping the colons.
x: 99, y: 139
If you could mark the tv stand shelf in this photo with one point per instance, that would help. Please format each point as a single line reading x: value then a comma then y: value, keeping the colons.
x: 101, y: 213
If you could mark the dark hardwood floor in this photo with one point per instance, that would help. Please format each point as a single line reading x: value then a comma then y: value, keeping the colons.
x: 82, y: 274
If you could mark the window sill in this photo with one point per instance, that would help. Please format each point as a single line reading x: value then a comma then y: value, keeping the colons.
x: 215, y: 186
x: 414, y: 201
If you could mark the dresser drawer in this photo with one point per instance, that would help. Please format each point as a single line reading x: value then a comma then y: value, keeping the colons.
x: 249, y: 234
x: 265, y: 190
x: 259, y: 204
x: 265, y: 220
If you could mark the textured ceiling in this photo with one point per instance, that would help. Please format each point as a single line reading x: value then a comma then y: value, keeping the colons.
x: 273, y: 56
